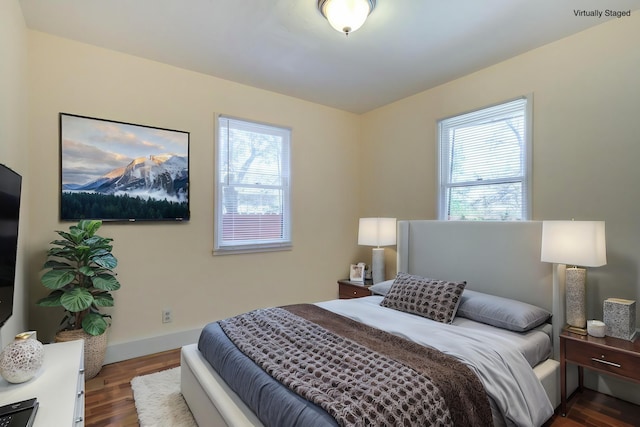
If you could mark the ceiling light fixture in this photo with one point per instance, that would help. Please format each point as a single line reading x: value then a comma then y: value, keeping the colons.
x: 346, y: 16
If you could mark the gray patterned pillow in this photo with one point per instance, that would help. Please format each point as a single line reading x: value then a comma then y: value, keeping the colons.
x: 434, y: 299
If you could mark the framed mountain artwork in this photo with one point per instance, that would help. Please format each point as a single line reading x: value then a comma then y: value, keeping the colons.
x: 117, y: 171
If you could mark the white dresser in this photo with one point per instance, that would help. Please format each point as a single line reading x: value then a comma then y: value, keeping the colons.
x: 59, y: 386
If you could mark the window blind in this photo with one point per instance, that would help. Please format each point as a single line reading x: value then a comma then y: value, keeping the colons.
x: 253, y: 186
x: 484, y: 164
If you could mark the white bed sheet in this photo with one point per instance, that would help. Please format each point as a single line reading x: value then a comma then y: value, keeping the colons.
x: 503, y: 370
x: 535, y: 345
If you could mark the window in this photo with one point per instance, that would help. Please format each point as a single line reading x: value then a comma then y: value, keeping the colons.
x: 484, y: 164
x: 252, y: 187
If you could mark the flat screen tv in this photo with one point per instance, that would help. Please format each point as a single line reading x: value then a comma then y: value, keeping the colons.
x: 115, y: 171
x: 10, y: 186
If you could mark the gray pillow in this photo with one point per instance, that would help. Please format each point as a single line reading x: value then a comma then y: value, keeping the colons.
x: 381, y: 288
x: 501, y: 312
x: 434, y: 299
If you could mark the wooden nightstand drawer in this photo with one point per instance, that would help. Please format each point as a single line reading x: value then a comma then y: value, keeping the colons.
x: 607, y: 355
x: 604, y: 359
x: 348, y: 290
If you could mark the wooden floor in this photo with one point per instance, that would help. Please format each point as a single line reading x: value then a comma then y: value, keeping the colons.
x: 109, y: 400
x: 590, y: 408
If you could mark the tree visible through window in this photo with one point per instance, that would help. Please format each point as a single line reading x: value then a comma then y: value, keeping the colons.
x: 252, y: 186
x: 484, y: 169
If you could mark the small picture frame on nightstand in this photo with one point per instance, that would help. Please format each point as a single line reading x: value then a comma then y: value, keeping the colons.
x: 356, y: 272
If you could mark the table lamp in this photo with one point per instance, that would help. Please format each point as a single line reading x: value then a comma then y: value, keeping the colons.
x: 377, y: 232
x: 576, y: 244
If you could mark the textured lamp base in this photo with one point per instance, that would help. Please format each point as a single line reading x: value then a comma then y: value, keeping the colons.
x: 377, y: 265
x: 576, y: 297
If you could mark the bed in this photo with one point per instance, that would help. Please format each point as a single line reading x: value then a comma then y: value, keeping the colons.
x: 492, y: 258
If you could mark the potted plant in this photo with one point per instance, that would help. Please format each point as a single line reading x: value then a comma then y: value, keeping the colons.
x: 79, y: 273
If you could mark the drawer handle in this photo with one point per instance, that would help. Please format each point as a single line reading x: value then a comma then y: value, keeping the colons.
x: 355, y: 292
x: 606, y: 362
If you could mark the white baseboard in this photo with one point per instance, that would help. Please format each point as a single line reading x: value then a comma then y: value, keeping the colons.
x: 143, y: 347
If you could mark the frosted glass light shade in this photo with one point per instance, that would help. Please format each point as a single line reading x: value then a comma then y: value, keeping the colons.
x: 346, y: 16
x: 377, y: 232
x: 578, y: 243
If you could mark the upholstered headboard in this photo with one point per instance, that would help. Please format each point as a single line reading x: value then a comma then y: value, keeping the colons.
x: 499, y: 258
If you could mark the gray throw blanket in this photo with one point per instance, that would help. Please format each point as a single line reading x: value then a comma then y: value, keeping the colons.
x: 358, y: 374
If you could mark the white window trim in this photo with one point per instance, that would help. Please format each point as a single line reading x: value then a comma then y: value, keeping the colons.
x: 280, y: 245
x: 443, y: 166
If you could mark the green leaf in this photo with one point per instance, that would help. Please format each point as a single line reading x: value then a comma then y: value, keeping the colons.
x: 106, y: 282
x: 103, y: 299
x: 67, y: 236
x: 53, y: 300
x: 97, y: 242
x: 68, y: 253
x: 89, y: 226
x: 56, y: 279
x: 77, y: 235
x: 63, y: 243
x: 83, y: 249
x: 94, y: 324
x: 77, y: 299
x: 58, y: 265
x: 100, y: 250
x: 107, y: 261
x: 87, y: 271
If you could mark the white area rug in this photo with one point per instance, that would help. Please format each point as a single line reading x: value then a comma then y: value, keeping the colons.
x: 159, y: 402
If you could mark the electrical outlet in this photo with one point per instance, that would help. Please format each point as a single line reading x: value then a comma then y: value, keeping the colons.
x: 167, y: 317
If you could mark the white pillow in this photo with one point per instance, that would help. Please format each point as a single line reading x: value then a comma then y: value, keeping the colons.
x: 501, y: 312
x: 381, y: 288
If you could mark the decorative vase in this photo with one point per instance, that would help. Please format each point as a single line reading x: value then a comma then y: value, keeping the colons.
x: 20, y: 360
x: 95, y: 348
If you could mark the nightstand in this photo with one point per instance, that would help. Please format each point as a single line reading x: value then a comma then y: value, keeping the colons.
x: 607, y: 355
x: 348, y: 289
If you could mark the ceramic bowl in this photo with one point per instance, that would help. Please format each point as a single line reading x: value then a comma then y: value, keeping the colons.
x: 595, y: 328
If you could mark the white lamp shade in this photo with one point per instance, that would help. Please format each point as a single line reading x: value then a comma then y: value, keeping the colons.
x: 579, y: 243
x: 346, y: 16
x: 377, y: 232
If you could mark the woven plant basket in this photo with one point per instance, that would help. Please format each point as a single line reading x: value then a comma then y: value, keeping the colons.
x: 95, y: 348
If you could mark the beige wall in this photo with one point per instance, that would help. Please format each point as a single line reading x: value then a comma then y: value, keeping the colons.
x: 170, y: 265
x: 586, y: 143
x: 13, y: 140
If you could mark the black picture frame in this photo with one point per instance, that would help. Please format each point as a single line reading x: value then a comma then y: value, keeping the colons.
x: 118, y: 171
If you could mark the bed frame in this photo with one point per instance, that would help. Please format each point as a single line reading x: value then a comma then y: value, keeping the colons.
x: 500, y: 258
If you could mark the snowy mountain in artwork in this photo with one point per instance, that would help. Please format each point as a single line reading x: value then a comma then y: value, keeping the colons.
x: 160, y: 177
